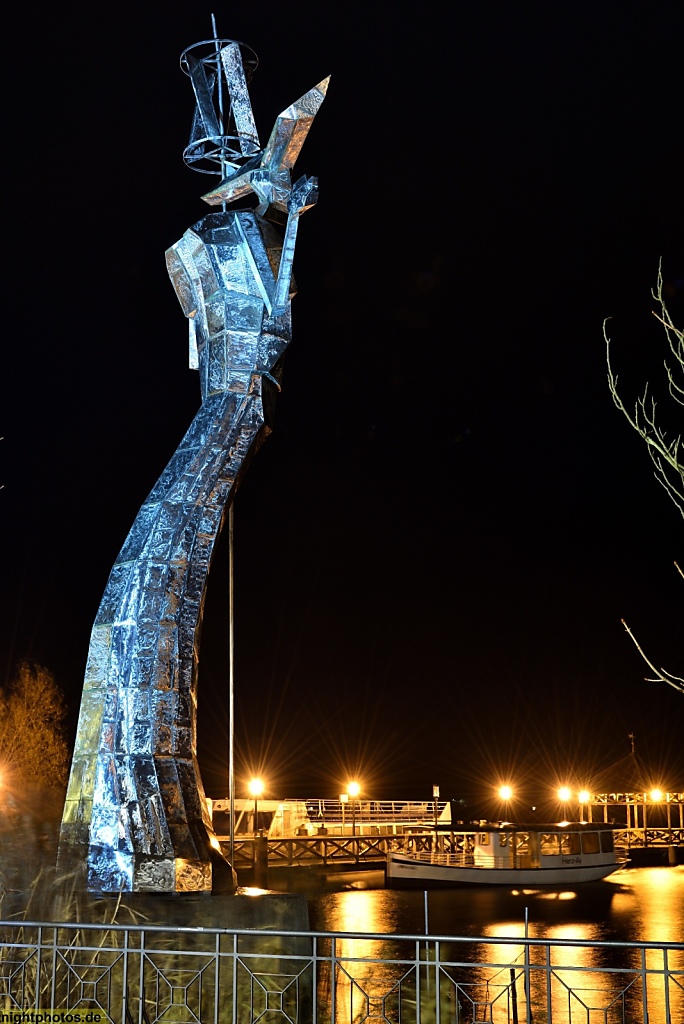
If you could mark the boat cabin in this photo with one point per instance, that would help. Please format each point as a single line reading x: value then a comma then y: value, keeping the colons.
x: 537, y: 846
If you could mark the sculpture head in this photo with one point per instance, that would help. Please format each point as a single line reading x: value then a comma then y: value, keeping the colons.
x: 224, y: 138
x: 223, y: 134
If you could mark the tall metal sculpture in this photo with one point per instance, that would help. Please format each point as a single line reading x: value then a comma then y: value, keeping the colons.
x: 135, y: 809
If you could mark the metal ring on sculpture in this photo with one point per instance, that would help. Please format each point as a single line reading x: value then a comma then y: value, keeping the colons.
x: 222, y: 155
x: 250, y: 61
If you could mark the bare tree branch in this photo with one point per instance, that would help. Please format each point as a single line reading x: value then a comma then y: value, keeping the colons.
x: 661, y: 674
x: 667, y: 455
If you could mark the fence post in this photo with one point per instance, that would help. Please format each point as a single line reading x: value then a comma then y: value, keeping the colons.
x: 528, y: 993
x: 514, y: 997
x: 333, y: 980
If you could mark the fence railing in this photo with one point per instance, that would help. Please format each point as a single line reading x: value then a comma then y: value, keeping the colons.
x: 161, y: 974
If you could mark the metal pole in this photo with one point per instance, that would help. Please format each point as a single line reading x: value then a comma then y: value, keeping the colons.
x: 231, y: 690
x: 220, y: 99
x: 514, y: 997
x: 528, y: 987
x: 645, y: 822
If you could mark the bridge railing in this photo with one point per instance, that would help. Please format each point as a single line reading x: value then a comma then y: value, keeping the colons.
x: 144, y: 975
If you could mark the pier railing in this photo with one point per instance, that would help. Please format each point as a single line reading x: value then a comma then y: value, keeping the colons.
x: 372, y: 850
x: 145, y: 975
x: 325, y: 851
x: 628, y: 837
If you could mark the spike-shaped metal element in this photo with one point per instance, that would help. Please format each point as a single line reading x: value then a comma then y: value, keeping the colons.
x: 203, y: 95
x: 135, y: 811
x: 292, y: 127
x: 240, y: 104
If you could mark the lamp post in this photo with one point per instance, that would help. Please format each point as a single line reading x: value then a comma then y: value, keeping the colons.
x: 583, y: 799
x: 344, y: 798
x: 655, y: 796
x: 353, y: 790
x: 505, y: 794
x: 256, y: 788
x: 564, y: 795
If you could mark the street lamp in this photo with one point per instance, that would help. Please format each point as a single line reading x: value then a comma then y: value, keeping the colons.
x: 564, y: 795
x: 353, y: 790
x: 256, y: 788
x: 583, y: 798
x: 655, y: 796
x: 344, y: 800
x: 505, y: 794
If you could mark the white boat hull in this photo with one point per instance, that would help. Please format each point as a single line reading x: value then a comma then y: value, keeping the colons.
x: 402, y: 868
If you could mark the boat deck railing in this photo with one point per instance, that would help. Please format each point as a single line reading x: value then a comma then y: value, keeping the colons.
x: 455, y: 860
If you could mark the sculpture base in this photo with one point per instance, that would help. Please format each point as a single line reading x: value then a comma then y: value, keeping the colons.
x: 109, y: 873
x: 244, y: 910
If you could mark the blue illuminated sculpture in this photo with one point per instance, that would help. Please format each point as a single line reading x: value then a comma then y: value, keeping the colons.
x: 135, y: 809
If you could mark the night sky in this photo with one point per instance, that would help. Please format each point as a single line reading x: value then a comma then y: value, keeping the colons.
x: 436, y: 546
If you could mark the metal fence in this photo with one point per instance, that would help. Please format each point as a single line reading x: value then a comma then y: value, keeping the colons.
x: 177, y: 975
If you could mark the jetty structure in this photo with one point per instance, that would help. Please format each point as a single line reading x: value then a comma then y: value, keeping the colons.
x: 136, y: 814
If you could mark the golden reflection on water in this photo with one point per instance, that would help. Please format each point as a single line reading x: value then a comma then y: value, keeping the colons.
x: 635, y: 905
x: 362, y: 910
x: 658, y: 918
x: 366, y: 988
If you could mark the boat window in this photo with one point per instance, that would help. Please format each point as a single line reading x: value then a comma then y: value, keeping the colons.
x: 503, y: 839
x: 607, y: 844
x: 483, y: 839
x: 550, y: 844
x: 522, y: 842
x: 570, y: 842
x: 590, y: 842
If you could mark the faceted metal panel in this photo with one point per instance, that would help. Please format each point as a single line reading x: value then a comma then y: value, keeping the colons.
x: 135, y: 809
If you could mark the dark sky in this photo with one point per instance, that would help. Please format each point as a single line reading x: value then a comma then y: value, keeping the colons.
x: 436, y: 546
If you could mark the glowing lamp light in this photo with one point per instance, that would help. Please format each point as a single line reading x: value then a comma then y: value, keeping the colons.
x: 353, y: 789
x: 583, y: 796
x: 564, y: 794
x: 656, y: 796
x: 505, y: 792
x: 256, y: 787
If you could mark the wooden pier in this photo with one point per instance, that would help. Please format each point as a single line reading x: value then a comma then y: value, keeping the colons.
x: 370, y: 851
x: 331, y: 835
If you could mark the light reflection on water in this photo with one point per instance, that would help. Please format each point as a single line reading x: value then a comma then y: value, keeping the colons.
x: 634, y: 905
x: 639, y: 904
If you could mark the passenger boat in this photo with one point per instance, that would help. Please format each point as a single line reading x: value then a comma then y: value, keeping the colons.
x: 560, y: 854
